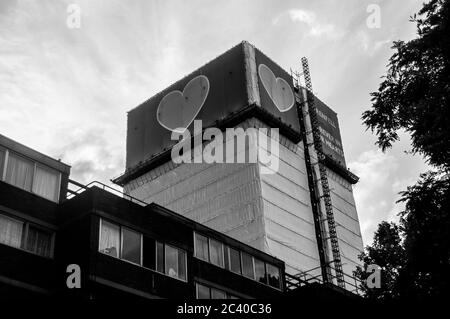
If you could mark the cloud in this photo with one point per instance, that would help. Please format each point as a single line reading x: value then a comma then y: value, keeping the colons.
x: 316, y: 29
x: 376, y: 192
x: 365, y: 44
x: 91, y: 154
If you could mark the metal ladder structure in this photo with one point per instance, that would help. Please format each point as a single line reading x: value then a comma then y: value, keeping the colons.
x: 309, y: 101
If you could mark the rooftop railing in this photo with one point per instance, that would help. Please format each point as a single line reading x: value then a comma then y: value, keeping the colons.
x: 76, y: 188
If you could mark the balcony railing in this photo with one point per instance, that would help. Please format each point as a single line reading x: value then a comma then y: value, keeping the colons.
x: 76, y: 188
x: 352, y: 284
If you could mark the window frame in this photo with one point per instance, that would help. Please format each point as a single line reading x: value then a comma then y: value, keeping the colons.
x: 195, y: 246
x: 3, y: 169
x: 229, y: 260
x: 197, y: 284
x: 121, y: 245
x: 253, y: 266
x: 221, y: 249
x: 280, y: 284
x: 265, y: 282
x: 24, y: 236
x: 224, y: 290
x: 22, y: 157
x: 43, y: 229
x: 51, y: 170
x: 119, y: 253
x: 208, y: 240
x: 226, y: 255
x: 100, y: 237
x: 164, y: 260
x: 35, y: 164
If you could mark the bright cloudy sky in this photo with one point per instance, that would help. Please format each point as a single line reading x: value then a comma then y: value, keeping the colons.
x: 65, y: 92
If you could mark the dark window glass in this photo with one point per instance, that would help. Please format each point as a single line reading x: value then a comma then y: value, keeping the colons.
x: 234, y: 260
x: 218, y: 294
x: 182, y: 265
x: 260, y: 271
x: 2, y: 162
x: 175, y: 262
x: 26, y: 236
x: 148, y: 253
x: 247, y: 266
x: 11, y: 231
x: 273, y: 274
x: 203, y: 292
x: 171, y: 261
x: 201, y: 247
x: 109, y: 239
x: 39, y: 241
x: 216, y: 252
x: 226, y: 259
x: 159, y: 257
x: 131, y: 246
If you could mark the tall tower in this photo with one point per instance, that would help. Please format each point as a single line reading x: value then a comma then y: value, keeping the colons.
x: 274, y: 200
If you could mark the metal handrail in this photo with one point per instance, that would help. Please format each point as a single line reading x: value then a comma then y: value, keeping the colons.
x: 294, y: 281
x: 103, y: 186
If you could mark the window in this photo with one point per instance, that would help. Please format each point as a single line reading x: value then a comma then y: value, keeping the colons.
x: 126, y: 244
x: 46, y: 183
x: 205, y: 292
x: 19, y: 172
x: 148, y: 253
x: 201, y: 247
x: 273, y: 276
x: 131, y: 246
x: 109, y: 238
x: 2, y: 162
x: 39, y: 241
x: 171, y: 261
x: 216, y: 252
x: 10, y: 231
x: 160, y: 257
x: 260, y: 271
x: 234, y: 260
x: 120, y: 242
x: 209, y: 250
x: 247, y: 266
x: 218, y: 294
x: 23, y: 235
x: 175, y: 263
x: 29, y: 175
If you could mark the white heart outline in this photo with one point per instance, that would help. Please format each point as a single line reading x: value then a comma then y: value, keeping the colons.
x: 276, y: 78
x: 182, y: 94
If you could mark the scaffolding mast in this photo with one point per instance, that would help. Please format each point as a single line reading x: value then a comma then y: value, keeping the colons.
x: 309, y: 100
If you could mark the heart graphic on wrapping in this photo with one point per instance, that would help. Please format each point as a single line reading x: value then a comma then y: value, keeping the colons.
x: 278, y: 89
x: 177, y: 110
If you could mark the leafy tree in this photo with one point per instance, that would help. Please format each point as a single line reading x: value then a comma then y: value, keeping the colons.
x: 415, y: 254
x: 415, y: 93
x: 388, y: 253
x: 425, y: 225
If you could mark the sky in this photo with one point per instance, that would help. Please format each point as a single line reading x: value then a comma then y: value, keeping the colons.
x: 65, y: 88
